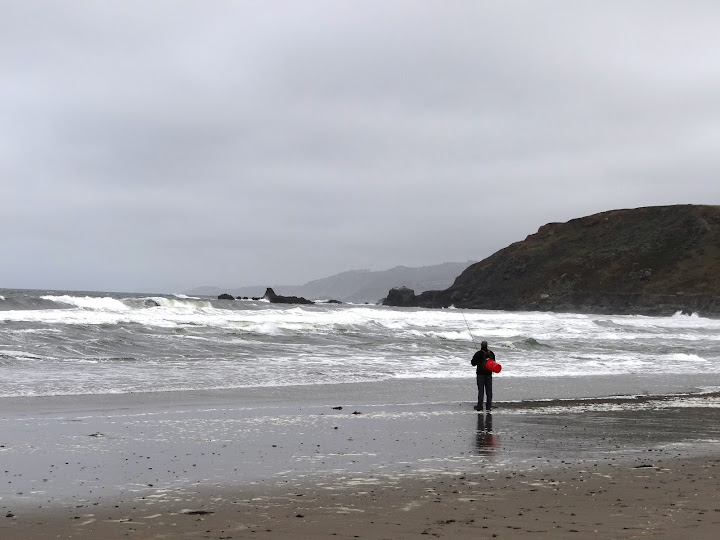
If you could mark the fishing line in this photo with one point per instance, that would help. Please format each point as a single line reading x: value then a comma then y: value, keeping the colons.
x: 469, y: 331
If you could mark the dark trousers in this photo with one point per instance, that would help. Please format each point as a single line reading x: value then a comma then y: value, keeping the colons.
x: 484, y: 383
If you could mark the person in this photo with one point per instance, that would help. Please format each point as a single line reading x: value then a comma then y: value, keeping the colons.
x: 484, y: 376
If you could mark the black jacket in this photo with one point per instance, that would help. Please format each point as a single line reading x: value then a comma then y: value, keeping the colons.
x: 479, y: 359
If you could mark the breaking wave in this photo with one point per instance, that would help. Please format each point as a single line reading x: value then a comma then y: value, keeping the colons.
x: 67, y: 342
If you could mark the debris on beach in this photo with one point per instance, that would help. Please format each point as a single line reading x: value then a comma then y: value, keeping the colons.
x: 196, y: 512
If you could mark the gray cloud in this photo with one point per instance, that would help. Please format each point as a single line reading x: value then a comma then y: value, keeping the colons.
x: 163, y: 145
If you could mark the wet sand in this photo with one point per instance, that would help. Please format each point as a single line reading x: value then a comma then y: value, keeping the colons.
x: 245, y: 464
x: 675, y: 498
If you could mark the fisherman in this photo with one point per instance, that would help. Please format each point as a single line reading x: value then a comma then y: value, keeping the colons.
x: 484, y: 376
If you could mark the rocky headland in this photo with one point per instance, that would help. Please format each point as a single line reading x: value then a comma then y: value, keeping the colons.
x: 646, y: 261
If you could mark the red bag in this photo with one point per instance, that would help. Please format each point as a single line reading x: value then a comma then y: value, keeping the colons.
x: 492, y: 365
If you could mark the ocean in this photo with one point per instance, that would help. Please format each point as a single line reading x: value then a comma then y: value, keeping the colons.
x: 145, y: 396
x: 64, y: 343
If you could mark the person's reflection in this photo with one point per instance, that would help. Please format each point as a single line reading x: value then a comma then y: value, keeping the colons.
x: 486, y: 443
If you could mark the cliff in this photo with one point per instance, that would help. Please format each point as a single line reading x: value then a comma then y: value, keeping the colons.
x: 653, y: 261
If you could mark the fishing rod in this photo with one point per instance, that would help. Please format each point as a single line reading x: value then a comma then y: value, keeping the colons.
x: 468, y: 327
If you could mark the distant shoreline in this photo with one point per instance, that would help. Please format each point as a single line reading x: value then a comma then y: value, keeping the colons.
x: 358, y: 286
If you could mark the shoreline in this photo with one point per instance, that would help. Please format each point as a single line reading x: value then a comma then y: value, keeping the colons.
x: 392, y: 390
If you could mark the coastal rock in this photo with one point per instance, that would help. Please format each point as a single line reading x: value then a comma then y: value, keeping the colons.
x: 400, y: 297
x: 277, y: 299
x: 225, y: 296
x: 648, y: 261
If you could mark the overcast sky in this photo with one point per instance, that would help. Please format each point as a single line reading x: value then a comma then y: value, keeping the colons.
x: 156, y: 146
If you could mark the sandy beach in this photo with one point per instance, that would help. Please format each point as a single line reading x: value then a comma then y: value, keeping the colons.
x: 672, y: 498
x: 314, y: 465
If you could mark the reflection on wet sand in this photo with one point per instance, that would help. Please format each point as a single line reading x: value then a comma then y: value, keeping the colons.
x: 486, y: 442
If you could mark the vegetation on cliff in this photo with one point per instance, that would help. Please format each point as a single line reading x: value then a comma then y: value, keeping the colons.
x: 653, y: 260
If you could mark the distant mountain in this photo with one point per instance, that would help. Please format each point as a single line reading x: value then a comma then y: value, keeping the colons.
x: 654, y: 260
x: 356, y: 286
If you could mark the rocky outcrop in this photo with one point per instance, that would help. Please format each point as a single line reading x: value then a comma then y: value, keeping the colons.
x: 225, y: 296
x: 400, y: 297
x: 653, y: 261
x: 277, y: 299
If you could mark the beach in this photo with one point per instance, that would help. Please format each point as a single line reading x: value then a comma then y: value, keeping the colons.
x: 663, y: 498
x: 395, y: 459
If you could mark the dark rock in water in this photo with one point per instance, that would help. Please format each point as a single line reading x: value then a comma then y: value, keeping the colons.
x: 332, y: 302
x: 401, y: 297
x: 225, y: 296
x: 647, y: 261
x: 277, y: 299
